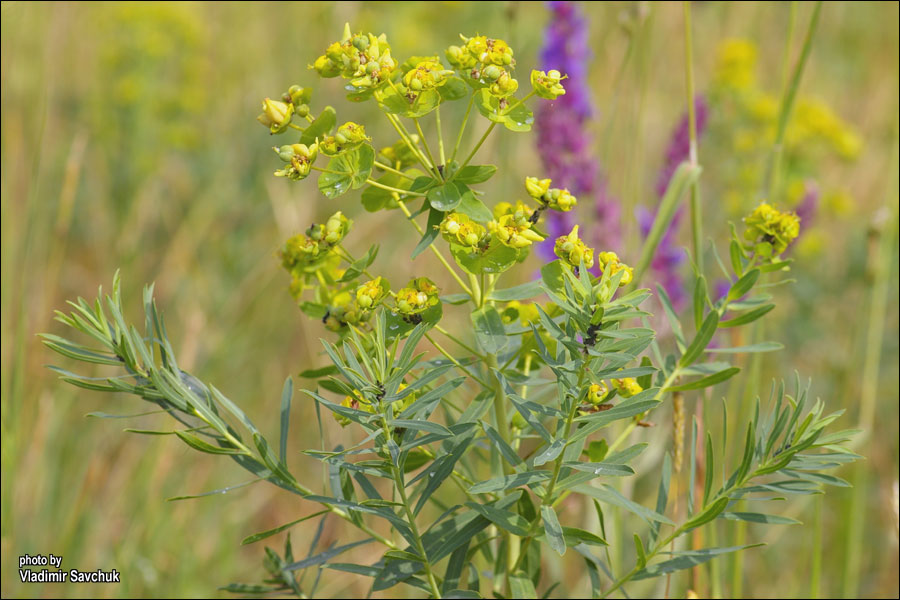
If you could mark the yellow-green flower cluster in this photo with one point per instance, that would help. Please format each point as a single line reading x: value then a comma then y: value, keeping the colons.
x: 547, y: 84
x: 515, y: 231
x: 459, y: 229
x: 347, y: 137
x: 521, y: 212
x: 362, y: 58
x: 627, y: 387
x: 609, y: 261
x: 554, y: 198
x: 372, y: 293
x: 332, y: 232
x: 736, y: 64
x: 486, y: 62
x: 769, y: 230
x: 299, y: 98
x: 597, y: 392
x: 573, y: 250
x: 300, y: 159
x: 426, y: 75
x: 746, y: 122
x: 307, y: 252
x: 419, y: 295
x: 343, y: 311
x: 275, y: 115
x: 814, y: 120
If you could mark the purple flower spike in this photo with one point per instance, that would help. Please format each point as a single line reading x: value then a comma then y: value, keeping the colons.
x: 669, y: 256
x: 563, y: 142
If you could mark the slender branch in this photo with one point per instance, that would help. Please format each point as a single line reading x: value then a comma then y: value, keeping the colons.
x: 389, y: 188
x: 404, y: 135
x: 453, y: 360
x: 426, y: 146
x: 477, y: 146
x: 462, y: 127
x: 390, y: 169
x: 440, y: 134
x: 787, y: 102
x: 459, y: 342
x: 696, y: 208
x: 400, y: 486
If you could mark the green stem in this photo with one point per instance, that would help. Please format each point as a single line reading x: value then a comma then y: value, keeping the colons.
x: 477, y: 146
x: 404, y: 135
x: 453, y: 360
x: 440, y: 134
x: 696, y: 207
x: 462, y: 127
x: 459, y: 342
x: 390, y: 169
x: 389, y: 188
x: 815, y: 578
x: 427, y: 148
x: 880, y: 271
x: 547, y: 498
x: 787, y: 103
x: 434, y: 250
x: 400, y: 486
x: 517, y: 102
x: 676, y: 373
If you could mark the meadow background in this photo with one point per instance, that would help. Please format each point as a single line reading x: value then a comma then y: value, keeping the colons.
x: 129, y: 142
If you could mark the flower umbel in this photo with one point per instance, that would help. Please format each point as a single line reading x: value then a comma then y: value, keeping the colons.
x: 769, y: 230
x: 571, y: 249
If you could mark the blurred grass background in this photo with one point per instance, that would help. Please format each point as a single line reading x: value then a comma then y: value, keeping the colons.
x: 129, y: 141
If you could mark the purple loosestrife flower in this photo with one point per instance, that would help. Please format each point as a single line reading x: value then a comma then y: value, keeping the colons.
x: 563, y: 141
x: 806, y: 210
x: 669, y: 256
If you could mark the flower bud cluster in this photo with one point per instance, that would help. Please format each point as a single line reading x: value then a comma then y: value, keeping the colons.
x: 547, y: 197
x: 362, y: 58
x: 426, y: 75
x: 573, y: 250
x: 547, y: 84
x: 299, y: 98
x: 458, y: 228
x: 370, y: 294
x: 769, y: 230
x: 627, y: 387
x: 348, y: 136
x: 609, y: 261
x: 485, y: 62
x: 308, y: 251
x: 275, y: 115
x: 514, y: 228
x: 299, y: 159
x: 597, y: 392
x: 419, y: 295
x: 343, y: 311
